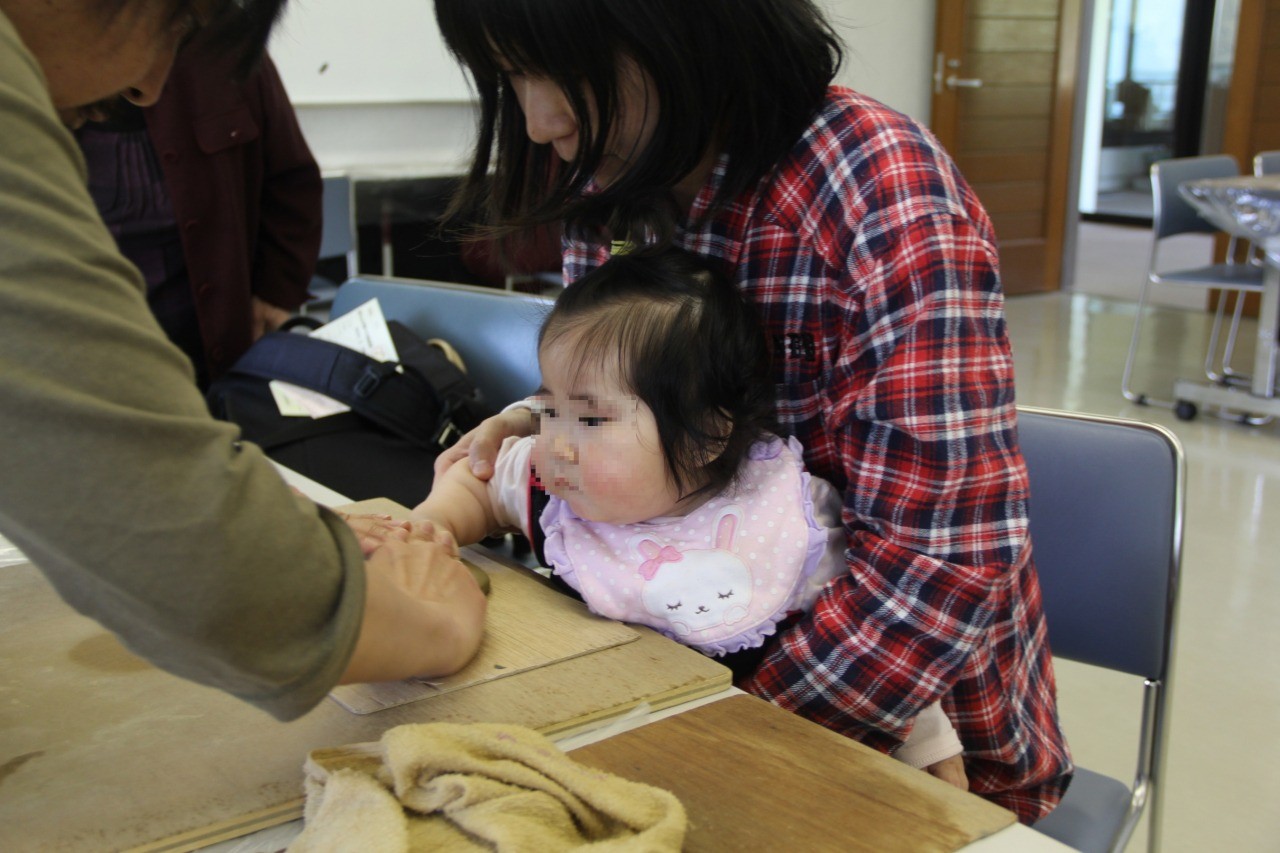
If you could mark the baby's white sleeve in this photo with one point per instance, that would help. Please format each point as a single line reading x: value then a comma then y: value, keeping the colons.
x: 509, y: 485
x: 932, y: 739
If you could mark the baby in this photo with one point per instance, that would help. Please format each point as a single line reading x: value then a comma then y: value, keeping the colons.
x: 654, y: 484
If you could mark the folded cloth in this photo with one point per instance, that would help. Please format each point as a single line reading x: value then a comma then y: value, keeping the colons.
x: 477, y: 786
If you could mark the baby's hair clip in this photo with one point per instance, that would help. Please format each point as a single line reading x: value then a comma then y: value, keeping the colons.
x: 621, y: 247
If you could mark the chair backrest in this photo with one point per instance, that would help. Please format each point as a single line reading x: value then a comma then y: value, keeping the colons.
x: 1106, y: 529
x: 1266, y: 163
x: 495, y: 331
x: 1172, y: 213
x: 338, y: 236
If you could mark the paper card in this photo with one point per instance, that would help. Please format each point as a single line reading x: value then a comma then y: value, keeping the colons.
x: 364, y: 330
x: 297, y: 402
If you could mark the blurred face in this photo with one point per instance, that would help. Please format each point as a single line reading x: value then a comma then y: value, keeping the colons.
x: 596, y: 446
x: 90, y: 53
x: 549, y: 118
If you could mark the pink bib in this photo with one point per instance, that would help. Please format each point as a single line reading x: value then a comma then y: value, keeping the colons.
x: 718, y: 579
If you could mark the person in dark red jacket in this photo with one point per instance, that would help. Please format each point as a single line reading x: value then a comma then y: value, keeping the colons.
x: 215, y: 196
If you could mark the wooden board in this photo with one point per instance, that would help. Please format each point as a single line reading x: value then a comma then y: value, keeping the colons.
x: 754, y: 777
x: 528, y: 625
x: 101, y: 751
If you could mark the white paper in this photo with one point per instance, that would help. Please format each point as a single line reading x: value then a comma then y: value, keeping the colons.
x: 297, y: 402
x: 363, y: 330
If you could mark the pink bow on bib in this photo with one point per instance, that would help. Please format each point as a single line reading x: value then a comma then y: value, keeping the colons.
x: 666, y: 554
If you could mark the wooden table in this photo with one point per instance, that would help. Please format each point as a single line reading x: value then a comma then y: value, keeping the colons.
x: 99, y: 750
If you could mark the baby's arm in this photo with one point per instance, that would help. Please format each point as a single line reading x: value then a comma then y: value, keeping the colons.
x: 459, y: 501
x: 932, y: 740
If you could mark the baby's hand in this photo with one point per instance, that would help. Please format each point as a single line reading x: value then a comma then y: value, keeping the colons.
x: 950, y: 770
x: 374, y: 529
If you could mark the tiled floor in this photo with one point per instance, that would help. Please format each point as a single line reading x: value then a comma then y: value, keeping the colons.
x: 1223, y: 773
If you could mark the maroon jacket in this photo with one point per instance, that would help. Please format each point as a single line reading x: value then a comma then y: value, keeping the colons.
x: 246, y: 195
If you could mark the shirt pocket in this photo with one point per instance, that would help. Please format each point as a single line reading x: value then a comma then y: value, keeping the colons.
x: 225, y: 130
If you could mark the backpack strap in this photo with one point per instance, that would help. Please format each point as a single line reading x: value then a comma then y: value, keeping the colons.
x: 383, y: 392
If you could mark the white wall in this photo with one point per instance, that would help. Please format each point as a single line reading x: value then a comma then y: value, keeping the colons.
x: 889, y: 51
x: 889, y: 56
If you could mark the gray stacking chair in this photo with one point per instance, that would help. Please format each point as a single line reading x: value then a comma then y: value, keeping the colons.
x: 1106, y: 513
x: 1266, y: 163
x: 1174, y: 215
x: 495, y: 331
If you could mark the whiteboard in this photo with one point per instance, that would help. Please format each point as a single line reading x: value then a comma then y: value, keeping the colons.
x: 364, y: 51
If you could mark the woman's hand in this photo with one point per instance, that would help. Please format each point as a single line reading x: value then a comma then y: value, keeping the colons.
x: 482, y: 443
x: 950, y: 770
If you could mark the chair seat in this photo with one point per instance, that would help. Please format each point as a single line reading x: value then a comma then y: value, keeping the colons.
x: 1090, y: 814
x: 1233, y: 276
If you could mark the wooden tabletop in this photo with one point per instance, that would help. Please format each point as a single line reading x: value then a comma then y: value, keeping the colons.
x: 754, y: 777
x: 99, y: 750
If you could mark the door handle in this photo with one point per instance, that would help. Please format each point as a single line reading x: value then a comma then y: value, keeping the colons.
x: 951, y: 81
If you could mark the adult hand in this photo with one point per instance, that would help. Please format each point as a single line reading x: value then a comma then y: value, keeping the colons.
x: 424, y: 612
x: 482, y: 443
x: 951, y: 770
x: 267, y: 317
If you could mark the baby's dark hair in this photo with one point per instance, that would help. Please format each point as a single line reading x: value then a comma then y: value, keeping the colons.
x: 688, y: 344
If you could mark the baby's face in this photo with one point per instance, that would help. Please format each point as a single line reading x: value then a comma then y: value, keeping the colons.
x: 596, y: 446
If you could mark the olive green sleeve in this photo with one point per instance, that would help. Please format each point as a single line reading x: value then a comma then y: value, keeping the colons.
x: 144, y: 512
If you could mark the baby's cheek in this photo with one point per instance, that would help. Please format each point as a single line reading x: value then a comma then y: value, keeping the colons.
x: 604, y: 476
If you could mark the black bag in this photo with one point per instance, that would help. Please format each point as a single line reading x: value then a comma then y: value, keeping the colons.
x: 402, y: 414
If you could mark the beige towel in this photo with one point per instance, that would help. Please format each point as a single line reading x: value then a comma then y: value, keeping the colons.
x: 477, y: 786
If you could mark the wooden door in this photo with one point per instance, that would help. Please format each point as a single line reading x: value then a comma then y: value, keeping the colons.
x: 1003, y: 97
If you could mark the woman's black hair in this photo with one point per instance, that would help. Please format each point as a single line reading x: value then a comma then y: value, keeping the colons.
x: 688, y: 344
x: 237, y: 27
x: 744, y: 77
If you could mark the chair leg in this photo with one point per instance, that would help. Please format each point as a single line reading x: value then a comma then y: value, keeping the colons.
x: 1211, y: 351
x: 1229, y: 351
x: 1126, y: 380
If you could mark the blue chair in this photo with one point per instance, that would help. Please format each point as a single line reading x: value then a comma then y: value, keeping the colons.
x: 1106, y: 513
x: 495, y: 331
x: 1173, y: 216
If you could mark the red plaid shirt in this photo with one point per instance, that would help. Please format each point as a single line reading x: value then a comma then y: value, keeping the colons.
x: 875, y: 268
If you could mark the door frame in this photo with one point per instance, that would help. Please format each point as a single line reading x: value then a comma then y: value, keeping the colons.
x: 1064, y: 180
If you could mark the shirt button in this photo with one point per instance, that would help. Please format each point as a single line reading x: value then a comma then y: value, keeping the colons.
x: 235, y: 134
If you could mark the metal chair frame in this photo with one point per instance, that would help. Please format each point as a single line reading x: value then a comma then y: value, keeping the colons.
x: 1106, y: 515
